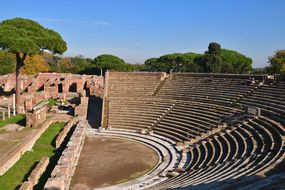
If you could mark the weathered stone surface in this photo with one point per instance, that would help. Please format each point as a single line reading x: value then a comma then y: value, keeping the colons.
x: 40, y: 87
x: 35, y: 117
x: 35, y: 175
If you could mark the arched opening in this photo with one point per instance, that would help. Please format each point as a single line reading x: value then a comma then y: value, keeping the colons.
x: 60, y: 88
x: 73, y: 87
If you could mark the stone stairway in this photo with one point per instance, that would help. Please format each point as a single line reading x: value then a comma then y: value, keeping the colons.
x: 159, y: 86
x: 163, y: 116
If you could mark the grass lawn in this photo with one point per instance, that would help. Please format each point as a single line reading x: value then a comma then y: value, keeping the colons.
x: 19, y: 119
x: 51, y: 102
x: 44, y: 146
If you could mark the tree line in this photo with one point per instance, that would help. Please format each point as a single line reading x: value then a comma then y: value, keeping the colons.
x: 46, y: 62
x: 214, y: 60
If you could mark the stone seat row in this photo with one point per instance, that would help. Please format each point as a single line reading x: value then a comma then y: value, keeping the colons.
x: 244, y: 150
x: 182, y: 122
x: 269, y: 98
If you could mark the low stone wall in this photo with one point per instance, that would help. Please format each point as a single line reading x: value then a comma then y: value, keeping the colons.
x: 15, y: 155
x: 64, y: 170
x: 35, y: 175
x: 65, y: 131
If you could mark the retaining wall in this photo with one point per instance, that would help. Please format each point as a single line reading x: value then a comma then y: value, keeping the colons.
x: 35, y: 175
x: 65, y: 131
x: 64, y: 170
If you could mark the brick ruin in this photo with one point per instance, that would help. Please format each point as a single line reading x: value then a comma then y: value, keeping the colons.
x: 43, y: 86
x: 36, y: 90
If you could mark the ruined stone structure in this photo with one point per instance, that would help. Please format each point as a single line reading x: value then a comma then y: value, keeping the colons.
x: 7, y: 106
x: 221, y: 142
x: 8, y: 82
x: 37, y: 115
x: 82, y: 108
x: 35, y: 89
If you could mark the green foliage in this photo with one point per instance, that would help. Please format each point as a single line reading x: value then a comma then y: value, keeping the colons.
x: 182, y: 62
x: 15, y: 119
x: 25, y: 37
x: 277, y: 62
x: 217, y: 60
x: 214, y: 49
x: 7, y: 63
x: 19, y: 35
x: 152, y: 64
x: 234, y: 62
x: 79, y: 64
x: 75, y: 65
x: 137, y: 67
x: 188, y: 65
x: 43, y: 147
x: 214, y: 60
x: 82, y: 65
x: 110, y: 62
x: 210, y: 63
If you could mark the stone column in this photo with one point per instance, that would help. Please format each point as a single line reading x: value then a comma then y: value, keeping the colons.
x: 9, y: 111
x: 3, y: 115
x: 14, y: 105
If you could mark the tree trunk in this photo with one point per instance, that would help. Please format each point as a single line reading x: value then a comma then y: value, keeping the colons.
x: 20, y: 64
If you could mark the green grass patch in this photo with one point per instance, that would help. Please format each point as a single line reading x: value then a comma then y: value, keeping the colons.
x: 19, y: 119
x: 51, y: 102
x: 44, y: 146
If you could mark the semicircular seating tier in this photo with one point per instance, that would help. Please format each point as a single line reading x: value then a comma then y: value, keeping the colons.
x: 221, y: 144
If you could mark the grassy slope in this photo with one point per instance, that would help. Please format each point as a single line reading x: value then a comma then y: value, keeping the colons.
x: 16, y: 119
x: 44, y: 146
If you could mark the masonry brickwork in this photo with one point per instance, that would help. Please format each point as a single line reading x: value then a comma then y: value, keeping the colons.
x: 35, y: 89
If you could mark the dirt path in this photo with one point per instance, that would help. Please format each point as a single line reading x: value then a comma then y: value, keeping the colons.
x: 11, y: 140
x: 109, y: 161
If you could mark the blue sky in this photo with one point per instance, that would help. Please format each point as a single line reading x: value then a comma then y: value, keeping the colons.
x: 139, y: 29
